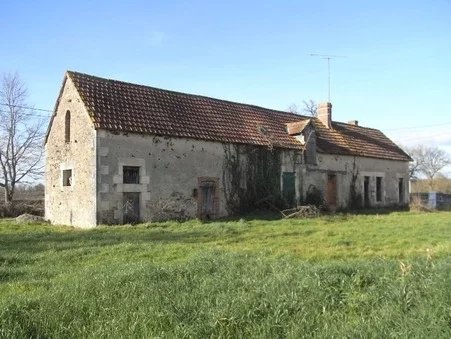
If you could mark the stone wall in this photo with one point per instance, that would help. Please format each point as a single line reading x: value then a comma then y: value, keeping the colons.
x: 75, y: 204
x: 170, y: 173
x: 345, y: 166
x: 175, y: 174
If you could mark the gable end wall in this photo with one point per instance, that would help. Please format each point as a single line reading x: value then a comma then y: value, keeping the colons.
x: 76, y: 204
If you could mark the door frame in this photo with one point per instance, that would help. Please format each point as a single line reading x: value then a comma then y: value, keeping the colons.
x: 330, y: 206
x: 292, y: 189
x: 136, y: 205
x: 214, y: 182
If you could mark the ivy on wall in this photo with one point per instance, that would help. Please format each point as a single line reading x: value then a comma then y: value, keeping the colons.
x: 251, y: 174
x: 355, y: 198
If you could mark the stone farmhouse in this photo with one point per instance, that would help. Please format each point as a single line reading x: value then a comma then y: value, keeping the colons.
x: 118, y: 153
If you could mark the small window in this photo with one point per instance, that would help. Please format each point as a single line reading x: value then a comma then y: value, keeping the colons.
x: 67, y: 177
x: 67, y: 127
x: 131, y: 175
x: 378, y: 189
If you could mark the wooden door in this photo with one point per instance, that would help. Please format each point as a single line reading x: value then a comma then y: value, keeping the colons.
x: 131, y: 207
x: 331, y: 192
x: 288, y: 188
x: 207, y: 199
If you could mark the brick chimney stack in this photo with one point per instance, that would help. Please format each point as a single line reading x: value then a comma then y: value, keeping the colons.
x: 325, y: 114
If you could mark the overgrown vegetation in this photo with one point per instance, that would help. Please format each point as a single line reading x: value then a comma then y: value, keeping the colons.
x: 35, y: 207
x: 334, y: 276
x: 315, y: 197
x: 355, y: 198
x: 251, y: 174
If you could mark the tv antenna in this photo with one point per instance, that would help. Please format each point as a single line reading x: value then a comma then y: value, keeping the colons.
x: 327, y: 57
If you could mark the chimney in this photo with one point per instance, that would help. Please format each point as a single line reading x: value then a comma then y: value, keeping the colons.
x: 353, y: 122
x: 325, y: 114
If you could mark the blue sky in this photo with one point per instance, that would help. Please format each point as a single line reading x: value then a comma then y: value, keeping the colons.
x: 395, y: 76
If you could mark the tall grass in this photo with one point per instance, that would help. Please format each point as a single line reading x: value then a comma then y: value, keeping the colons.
x: 229, y: 279
x: 234, y: 295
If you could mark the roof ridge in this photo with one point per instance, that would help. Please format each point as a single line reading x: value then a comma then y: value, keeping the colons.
x: 355, y: 126
x: 189, y: 94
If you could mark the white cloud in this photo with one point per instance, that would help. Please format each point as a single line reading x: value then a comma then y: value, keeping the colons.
x: 436, y: 136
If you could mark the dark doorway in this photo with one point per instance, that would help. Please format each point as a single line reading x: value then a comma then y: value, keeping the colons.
x: 288, y: 188
x: 206, y: 202
x: 401, y: 190
x: 331, y: 192
x: 378, y: 189
x: 131, y: 207
x: 366, y: 192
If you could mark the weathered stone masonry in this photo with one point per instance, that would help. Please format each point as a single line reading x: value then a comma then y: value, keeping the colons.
x: 75, y: 204
x: 107, y: 161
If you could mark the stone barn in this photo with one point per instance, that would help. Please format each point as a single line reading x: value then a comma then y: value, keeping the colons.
x: 119, y: 152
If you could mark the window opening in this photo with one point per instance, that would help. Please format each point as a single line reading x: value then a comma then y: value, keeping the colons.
x: 67, y: 177
x: 131, y: 175
x: 366, y: 192
x: 67, y: 127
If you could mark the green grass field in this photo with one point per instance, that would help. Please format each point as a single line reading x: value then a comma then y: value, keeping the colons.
x: 369, y: 276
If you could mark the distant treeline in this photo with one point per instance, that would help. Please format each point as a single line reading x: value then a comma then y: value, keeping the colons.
x: 441, y: 184
x: 26, y: 192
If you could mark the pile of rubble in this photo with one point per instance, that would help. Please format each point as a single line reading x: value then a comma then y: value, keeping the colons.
x: 307, y: 211
x: 29, y: 218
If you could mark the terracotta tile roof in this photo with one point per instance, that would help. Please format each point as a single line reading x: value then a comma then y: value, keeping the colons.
x: 120, y: 106
x: 366, y: 141
x: 295, y: 128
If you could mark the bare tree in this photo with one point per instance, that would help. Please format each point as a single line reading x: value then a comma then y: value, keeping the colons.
x: 428, y: 161
x: 309, y: 108
x: 293, y: 108
x: 20, y: 137
x: 417, y: 154
x: 434, y: 161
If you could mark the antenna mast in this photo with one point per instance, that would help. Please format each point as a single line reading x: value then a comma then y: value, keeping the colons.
x: 327, y: 57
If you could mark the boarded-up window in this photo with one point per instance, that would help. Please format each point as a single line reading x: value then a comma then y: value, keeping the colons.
x: 67, y: 177
x: 131, y: 175
x: 378, y: 189
x: 67, y: 127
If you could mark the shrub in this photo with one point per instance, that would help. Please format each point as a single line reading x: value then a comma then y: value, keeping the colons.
x: 417, y: 204
x: 314, y: 197
x: 35, y: 207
